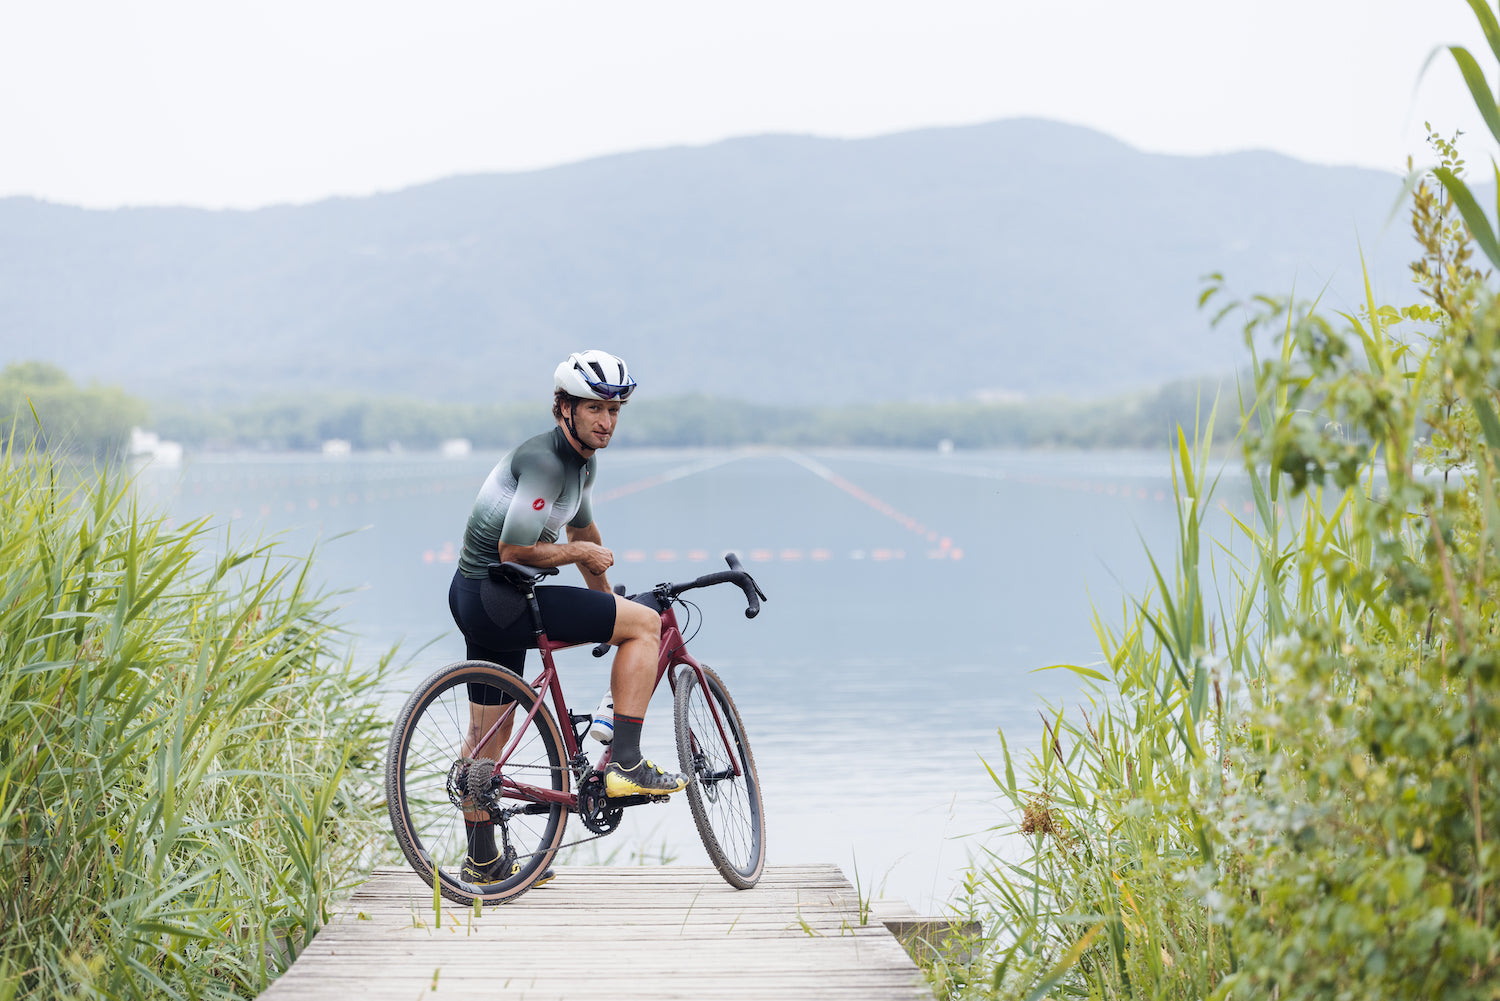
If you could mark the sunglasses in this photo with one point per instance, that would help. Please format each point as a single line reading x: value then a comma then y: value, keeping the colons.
x: 610, y: 391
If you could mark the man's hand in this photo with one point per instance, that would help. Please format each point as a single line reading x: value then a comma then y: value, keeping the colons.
x: 593, y: 558
x: 584, y: 547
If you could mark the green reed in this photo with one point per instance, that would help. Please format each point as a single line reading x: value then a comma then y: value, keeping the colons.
x: 189, y: 767
x: 1152, y: 834
x: 1098, y: 900
x: 1280, y: 779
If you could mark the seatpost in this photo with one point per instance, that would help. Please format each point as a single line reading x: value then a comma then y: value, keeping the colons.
x: 536, y: 611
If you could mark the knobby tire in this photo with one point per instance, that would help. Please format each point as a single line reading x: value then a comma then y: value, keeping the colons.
x: 727, y: 809
x: 424, y: 745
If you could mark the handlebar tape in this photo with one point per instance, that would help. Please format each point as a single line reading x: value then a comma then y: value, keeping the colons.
x: 753, y: 594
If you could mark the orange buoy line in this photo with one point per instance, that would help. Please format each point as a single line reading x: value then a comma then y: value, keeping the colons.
x: 448, y: 553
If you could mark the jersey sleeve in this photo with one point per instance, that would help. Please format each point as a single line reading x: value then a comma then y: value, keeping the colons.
x: 585, y: 516
x: 539, y: 483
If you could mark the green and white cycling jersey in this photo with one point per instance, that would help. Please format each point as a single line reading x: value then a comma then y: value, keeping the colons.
x: 537, y: 488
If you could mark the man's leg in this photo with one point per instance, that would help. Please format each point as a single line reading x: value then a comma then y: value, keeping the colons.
x: 485, y: 640
x: 632, y: 679
x: 481, y: 719
x: 485, y: 708
x: 483, y: 851
x: 578, y: 615
x: 491, y: 723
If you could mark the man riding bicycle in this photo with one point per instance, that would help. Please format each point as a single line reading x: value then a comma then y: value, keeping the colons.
x: 537, y: 489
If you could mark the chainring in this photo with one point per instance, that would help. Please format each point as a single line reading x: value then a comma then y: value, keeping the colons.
x: 595, y: 810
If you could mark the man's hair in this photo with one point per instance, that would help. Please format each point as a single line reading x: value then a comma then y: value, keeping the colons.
x: 562, y: 398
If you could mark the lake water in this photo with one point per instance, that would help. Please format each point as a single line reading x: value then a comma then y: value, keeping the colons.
x: 912, y: 598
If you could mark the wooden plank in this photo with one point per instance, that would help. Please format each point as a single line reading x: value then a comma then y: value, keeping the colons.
x: 678, y: 932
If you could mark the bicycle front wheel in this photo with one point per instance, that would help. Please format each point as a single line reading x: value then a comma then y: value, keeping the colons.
x: 430, y: 782
x: 723, y: 789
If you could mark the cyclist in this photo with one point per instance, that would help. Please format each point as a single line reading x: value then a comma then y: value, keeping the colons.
x: 538, y: 489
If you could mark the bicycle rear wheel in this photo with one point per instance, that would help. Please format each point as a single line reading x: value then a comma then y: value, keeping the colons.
x: 723, y: 789
x: 427, y: 784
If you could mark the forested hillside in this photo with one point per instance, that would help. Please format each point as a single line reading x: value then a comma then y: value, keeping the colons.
x: 1019, y: 257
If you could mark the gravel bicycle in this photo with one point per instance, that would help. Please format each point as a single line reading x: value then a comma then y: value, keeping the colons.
x: 543, y: 775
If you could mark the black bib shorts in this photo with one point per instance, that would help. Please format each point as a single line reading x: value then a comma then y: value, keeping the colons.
x: 497, y: 624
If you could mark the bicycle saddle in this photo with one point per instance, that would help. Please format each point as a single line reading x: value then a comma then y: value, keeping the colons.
x: 518, y: 574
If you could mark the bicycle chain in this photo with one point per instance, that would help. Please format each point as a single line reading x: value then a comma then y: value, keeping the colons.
x: 464, y: 775
x: 569, y: 844
x: 585, y: 822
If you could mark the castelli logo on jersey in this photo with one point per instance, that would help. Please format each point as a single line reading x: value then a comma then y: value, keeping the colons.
x: 538, y: 504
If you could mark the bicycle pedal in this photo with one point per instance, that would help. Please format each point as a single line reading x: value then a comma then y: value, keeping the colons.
x: 636, y: 800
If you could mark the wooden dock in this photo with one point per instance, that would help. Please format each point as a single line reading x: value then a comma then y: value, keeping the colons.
x: 610, y: 933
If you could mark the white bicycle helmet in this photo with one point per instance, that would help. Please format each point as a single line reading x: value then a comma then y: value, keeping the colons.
x: 594, y: 375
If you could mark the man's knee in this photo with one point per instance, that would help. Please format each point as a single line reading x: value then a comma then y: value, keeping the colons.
x: 635, y: 621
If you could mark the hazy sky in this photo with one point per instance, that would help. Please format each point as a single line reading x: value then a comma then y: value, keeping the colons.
x: 202, y: 102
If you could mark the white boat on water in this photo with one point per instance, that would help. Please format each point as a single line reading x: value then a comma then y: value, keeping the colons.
x: 148, y: 446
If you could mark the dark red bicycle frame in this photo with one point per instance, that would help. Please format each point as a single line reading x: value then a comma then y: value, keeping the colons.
x: 673, y: 653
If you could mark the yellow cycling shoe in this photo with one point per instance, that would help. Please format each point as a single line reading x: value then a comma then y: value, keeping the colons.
x: 494, y: 872
x: 643, y: 778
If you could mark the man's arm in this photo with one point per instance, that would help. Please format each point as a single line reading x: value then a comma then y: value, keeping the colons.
x: 539, y: 484
x: 588, y: 535
x: 582, y: 548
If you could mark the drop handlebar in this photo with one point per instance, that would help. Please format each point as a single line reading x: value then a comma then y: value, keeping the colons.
x: 736, y: 575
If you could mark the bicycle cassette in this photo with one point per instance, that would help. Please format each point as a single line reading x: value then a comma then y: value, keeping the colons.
x: 468, y: 784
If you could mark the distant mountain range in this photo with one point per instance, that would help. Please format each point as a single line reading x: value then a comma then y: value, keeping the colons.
x: 1022, y: 257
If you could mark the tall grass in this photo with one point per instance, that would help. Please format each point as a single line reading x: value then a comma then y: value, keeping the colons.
x: 1105, y: 898
x: 1272, y: 786
x: 188, y: 759
x: 1281, y: 781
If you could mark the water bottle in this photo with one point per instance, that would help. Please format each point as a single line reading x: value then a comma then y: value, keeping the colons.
x: 603, y: 727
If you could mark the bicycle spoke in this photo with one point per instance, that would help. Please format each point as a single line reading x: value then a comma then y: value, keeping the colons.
x: 426, y: 759
x: 724, y: 792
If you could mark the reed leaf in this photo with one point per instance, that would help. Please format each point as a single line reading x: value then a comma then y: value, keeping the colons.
x: 1473, y: 215
x: 1295, y: 803
x: 188, y: 750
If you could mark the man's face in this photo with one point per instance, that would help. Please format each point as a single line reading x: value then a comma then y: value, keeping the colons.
x: 594, y: 422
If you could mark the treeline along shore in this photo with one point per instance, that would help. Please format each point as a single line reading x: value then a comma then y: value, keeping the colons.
x: 39, y: 402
